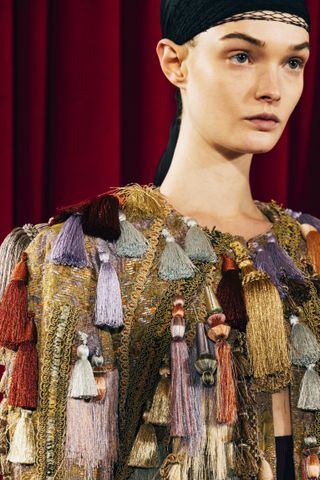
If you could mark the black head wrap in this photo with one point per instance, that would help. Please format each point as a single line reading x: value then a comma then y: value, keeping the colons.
x: 182, y: 20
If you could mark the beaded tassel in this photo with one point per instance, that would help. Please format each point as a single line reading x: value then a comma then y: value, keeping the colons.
x: 82, y: 382
x: 174, y: 263
x: 218, y: 332
x: 131, y: 242
x: 197, y: 243
x: 206, y: 364
x: 108, y: 309
x: 69, y: 246
x: 183, y: 422
x: 266, y: 335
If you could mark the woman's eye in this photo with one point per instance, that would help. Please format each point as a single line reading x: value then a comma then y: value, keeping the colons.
x: 240, y: 57
x: 295, y: 63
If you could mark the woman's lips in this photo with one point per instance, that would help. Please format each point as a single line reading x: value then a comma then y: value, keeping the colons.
x: 262, y: 124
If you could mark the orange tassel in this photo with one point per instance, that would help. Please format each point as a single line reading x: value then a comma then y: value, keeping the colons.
x: 225, y: 391
x: 13, y: 307
x: 24, y: 382
x: 312, y: 237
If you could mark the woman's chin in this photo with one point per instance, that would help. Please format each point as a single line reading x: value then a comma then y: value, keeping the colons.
x: 260, y: 144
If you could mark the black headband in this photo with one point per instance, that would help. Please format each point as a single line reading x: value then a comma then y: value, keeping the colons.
x: 181, y: 20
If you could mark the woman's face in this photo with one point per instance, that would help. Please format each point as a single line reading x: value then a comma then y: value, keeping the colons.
x: 239, y: 70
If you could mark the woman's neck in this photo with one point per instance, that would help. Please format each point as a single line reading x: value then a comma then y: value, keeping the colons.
x: 204, y: 184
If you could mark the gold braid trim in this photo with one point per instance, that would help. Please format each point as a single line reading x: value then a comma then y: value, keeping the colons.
x: 53, y: 391
x: 139, y: 285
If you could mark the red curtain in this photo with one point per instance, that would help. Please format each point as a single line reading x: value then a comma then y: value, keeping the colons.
x: 85, y: 106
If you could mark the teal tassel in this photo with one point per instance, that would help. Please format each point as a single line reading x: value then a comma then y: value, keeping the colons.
x: 309, y: 398
x: 174, y: 263
x: 197, y: 244
x: 305, y: 349
x: 131, y: 242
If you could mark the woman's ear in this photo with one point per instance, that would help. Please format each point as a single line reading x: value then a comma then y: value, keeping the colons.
x: 172, y: 61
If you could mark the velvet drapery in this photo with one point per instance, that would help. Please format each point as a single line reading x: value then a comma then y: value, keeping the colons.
x: 84, y: 106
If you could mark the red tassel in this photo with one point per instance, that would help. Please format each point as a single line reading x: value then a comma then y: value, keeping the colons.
x: 100, y: 216
x: 225, y: 390
x: 230, y: 295
x: 14, y: 307
x: 24, y: 382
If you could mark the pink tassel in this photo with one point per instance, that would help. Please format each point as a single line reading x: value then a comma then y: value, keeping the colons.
x: 183, y: 422
x: 109, y: 311
x: 92, y: 434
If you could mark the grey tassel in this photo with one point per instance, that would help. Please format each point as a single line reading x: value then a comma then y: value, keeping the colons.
x: 174, y: 263
x: 197, y: 244
x: 309, y: 398
x: 131, y: 242
x: 304, y: 348
x: 11, y: 248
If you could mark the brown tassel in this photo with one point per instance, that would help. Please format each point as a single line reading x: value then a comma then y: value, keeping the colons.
x: 312, y: 237
x: 266, y: 335
x: 13, y: 307
x: 230, y: 295
x: 160, y: 412
x: 100, y: 216
x: 24, y: 382
x: 145, y: 453
x: 225, y: 391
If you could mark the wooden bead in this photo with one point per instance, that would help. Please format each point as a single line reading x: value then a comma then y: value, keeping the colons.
x: 216, y: 319
x: 220, y: 331
x: 178, y: 311
x: 179, y: 300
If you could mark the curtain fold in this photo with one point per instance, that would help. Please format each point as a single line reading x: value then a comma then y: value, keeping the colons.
x: 85, y: 106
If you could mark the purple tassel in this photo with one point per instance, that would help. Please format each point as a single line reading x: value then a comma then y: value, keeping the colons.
x: 310, y: 219
x: 109, y: 311
x: 92, y: 431
x: 69, y: 246
x: 275, y: 261
x: 183, y: 422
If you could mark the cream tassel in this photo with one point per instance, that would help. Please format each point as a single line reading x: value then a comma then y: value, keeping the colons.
x: 145, y: 451
x: 160, y: 412
x: 82, y: 383
x: 22, y: 448
x: 265, y: 472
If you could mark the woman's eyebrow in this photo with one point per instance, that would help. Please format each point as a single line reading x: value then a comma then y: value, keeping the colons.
x: 260, y: 43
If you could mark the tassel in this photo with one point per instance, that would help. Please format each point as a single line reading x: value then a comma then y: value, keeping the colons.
x: 22, y: 447
x: 312, y: 237
x: 23, y: 390
x: 99, y: 216
x: 11, y: 249
x: 183, y: 423
x: 69, y: 248
x: 174, y: 263
x: 304, y: 218
x: 265, y: 471
x: 266, y: 335
x: 245, y: 462
x: 230, y: 295
x: 13, y: 307
x: 160, y: 413
x: 82, y: 382
x: 145, y: 452
x: 91, y: 431
x: 225, y: 393
x: 206, y: 364
x: 142, y: 201
x: 197, y: 244
x: 305, y: 349
x: 313, y: 467
x: 131, y: 243
x: 309, y: 398
x: 109, y: 311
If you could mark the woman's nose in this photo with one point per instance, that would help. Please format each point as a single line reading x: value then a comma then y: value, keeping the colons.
x: 268, y: 86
